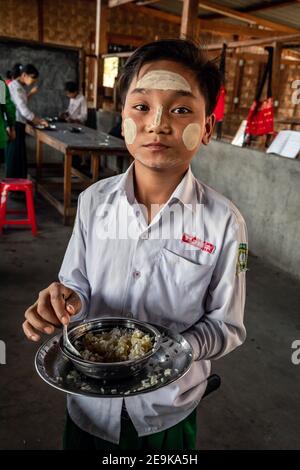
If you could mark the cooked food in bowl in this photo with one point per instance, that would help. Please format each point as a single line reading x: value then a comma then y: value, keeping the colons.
x: 115, y: 345
x: 112, y: 348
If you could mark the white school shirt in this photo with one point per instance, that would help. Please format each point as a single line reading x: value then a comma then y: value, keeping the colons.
x: 77, y: 108
x: 165, y: 281
x: 19, y: 96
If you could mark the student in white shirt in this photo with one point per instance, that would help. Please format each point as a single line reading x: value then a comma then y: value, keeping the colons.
x: 16, y: 158
x: 158, y: 243
x: 77, y: 109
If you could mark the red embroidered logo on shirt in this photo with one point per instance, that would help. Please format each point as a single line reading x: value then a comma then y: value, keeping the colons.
x: 202, y: 245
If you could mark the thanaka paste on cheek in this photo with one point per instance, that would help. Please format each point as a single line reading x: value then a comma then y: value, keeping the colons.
x: 129, y: 131
x: 191, y: 136
x: 163, y: 80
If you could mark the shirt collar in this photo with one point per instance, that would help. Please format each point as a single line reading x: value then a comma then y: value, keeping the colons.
x: 188, y: 192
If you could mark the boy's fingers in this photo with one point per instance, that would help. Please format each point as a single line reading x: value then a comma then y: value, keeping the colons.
x: 57, y: 293
x: 30, y: 332
x: 73, y: 303
x: 65, y: 302
x: 37, y: 322
x: 46, y: 312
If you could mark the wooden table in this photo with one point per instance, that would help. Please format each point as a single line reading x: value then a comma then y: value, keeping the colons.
x: 87, y: 142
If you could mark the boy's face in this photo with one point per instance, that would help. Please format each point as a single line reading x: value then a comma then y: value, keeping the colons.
x: 163, y: 119
x: 71, y: 94
x: 28, y: 79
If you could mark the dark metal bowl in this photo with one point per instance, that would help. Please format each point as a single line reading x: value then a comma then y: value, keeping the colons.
x: 110, y: 370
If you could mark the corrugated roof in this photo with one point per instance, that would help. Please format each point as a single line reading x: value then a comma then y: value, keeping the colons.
x: 288, y: 14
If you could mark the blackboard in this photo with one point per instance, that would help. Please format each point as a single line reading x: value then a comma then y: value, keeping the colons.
x: 56, y: 65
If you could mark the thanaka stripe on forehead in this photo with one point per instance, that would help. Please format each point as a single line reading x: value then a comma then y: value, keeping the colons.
x: 176, y: 92
x: 164, y: 80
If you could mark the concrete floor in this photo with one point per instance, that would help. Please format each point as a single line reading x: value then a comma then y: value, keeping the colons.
x: 257, y: 406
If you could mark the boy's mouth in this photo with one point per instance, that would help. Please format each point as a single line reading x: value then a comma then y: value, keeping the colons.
x: 156, y: 146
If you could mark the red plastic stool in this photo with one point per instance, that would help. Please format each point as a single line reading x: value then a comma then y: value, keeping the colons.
x: 17, y: 184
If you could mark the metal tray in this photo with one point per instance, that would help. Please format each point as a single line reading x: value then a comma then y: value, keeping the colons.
x: 169, y: 363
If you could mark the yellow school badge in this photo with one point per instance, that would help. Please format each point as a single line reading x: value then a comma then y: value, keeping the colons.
x: 242, y: 258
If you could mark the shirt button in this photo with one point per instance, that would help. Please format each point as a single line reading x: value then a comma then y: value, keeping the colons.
x: 136, y: 274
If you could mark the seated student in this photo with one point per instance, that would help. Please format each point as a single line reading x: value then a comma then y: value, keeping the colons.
x: 182, y: 265
x: 16, y: 159
x: 77, y: 109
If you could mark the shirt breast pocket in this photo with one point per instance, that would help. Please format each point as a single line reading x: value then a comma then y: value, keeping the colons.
x: 177, y: 290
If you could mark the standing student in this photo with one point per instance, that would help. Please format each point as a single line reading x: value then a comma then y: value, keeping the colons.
x: 181, y: 264
x: 14, y: 73
x: 7, y: 118
x: 77, y: 109
x: 16, y: 159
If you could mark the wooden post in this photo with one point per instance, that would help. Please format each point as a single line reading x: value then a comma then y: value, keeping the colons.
x: 189, y: 19
x: 67, y: 185
x: 95, y: 165
x: 276, y: 73
x: 237, y: 86
x: 100, y: 48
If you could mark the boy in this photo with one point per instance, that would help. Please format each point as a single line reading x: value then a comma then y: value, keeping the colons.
x: 77, y: 109
x: 178, y: 262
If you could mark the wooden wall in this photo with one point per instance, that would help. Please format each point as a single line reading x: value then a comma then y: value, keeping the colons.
x: 19, y: 19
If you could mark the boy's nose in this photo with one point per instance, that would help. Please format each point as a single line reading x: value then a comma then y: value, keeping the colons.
x: 158, y: 121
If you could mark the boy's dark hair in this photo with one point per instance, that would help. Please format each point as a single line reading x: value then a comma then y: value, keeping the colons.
x: 71, y: 87
x: 182, y: 51
x: 29, y: 69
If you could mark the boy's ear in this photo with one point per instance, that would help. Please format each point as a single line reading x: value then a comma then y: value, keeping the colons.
x: 209, y: 128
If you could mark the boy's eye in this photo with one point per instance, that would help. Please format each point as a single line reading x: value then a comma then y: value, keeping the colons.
x: 141, y: 107
x: 181, y: 110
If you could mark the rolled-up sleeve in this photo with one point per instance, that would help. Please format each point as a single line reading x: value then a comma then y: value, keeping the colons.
x: 73, y: 270
x: 222, y: 329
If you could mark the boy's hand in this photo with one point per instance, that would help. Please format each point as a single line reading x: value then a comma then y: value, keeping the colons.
x: 54, y: 307
x: 34, y: 90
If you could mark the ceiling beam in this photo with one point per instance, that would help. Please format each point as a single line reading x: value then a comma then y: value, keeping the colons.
x: 268, y: 5
x: 256, y: 42
x: 205, y: 24
x: 217, y: 26
x: 247, y: 17
x: 256, y: 7
x: 146, y: 2
x: 116, y: 3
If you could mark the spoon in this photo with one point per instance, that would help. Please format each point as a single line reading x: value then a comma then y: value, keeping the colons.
x: 67, y: 343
